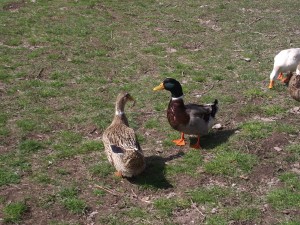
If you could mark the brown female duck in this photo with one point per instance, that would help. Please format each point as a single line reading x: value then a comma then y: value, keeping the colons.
x: 294, y: 85
x: 122, y: 148
x: 187, y: 118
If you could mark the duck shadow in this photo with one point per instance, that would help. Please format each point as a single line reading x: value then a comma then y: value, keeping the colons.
x: 214, y: 139
x: 154, y: 173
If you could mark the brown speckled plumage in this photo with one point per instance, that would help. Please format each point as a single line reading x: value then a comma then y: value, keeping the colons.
x: 294, y: 87
x: 121, y: 145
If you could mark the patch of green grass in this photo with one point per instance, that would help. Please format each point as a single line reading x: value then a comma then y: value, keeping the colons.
x: 231, y: 163
x: 75, y: 205
x: 209, y: 195
x: 69, y: 192
x: 136, y: 212
x: 218, y: 77
x: 70, y: 200
x: 4, y: 131
x: 30, y: 146
x: 7, y: 176
x: 188, y: 164
x: 111, y: 219
x: 43, y: 178
x: 2, y: 199
x: 294, y: 149
x: 62, y: 171
x: 216, y: 220
x: 70, y: 137
x: 244, y: 214
x: 47, y: 200
x: 286, y: 128
x: 13, y: 212
x: 99, y: 192
x: 273, y: 110
x: 102, y: 169
x: 250, y: 109
x: 155, y: 50
x: 166, y: 206
x: 287, y: 197
x: 254, y: 93
x: 64, y: 151
x: 291, y: 180
x: 294, y: 222
x: 13, y: 42
x: 284, y: 198
x: 27, y: 125
x: 257, y: 129
x: 60, y: 75
x: 152, y: 123
x: 90, y: 146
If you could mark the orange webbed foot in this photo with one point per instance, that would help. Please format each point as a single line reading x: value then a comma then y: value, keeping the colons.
x: 118, y: 174
x: 180, y: 142
x: 280, y: 76
x: 287, y: 79
x: 271, y: 85
x: 197, y: 145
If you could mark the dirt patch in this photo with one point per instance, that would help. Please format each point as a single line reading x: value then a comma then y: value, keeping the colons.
x: 189, y: 216
x: 14, y: 6
x: 271, y: 145
x: 262, y: 173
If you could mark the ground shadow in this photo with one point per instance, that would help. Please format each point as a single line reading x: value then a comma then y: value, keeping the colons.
x: 154, y: 174
x: 214, y: 138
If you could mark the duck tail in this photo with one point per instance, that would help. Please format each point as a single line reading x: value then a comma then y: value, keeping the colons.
x: 214, y: 108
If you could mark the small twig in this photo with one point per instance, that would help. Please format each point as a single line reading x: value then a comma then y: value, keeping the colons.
x: 137, y: 197
x: 203, y: 93
x: 107, y: 190
x: 93, y: 131
x: 256, y: 20
x: 134, y: 194
x: 40, y: 73
x: 195, y: 207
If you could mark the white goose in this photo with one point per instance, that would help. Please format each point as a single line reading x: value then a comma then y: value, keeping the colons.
x: 285, y: 61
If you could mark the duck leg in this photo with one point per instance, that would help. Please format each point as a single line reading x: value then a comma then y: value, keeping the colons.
x: 271, y: 85
x: 180, y: 142
x: 118, y: 174
x: 280, y: 76
x: 197, y: 145
x: 287, y: 79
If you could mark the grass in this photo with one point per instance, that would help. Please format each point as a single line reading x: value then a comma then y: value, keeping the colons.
x: 208, y: 195
x: 64, y: 62
x: 287, y: 197
x: 13, y: 212
x: 70, y: 200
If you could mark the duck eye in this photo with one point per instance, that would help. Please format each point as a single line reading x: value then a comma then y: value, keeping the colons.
x: 168, y: 86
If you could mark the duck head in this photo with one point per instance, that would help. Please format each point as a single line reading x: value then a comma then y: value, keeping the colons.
x: 171, y: 85
x: 121, y: 102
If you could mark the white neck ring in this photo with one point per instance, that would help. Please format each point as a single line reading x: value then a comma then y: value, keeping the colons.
x: 181, y: 97
x: 119, y: 113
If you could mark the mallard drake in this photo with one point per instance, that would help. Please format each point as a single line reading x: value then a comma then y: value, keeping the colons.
x: 285, y: 61
x: 190, y: 118
x: 122, y: 148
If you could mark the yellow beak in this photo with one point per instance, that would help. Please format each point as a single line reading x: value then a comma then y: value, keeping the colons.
x: 159, y: 87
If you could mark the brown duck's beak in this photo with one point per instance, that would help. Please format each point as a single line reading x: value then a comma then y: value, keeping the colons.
x: 159, y: 87
x: 131, y: 99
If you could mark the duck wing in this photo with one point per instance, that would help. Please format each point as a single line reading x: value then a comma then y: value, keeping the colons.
x: 122, y: 138
x: 204, y: 111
